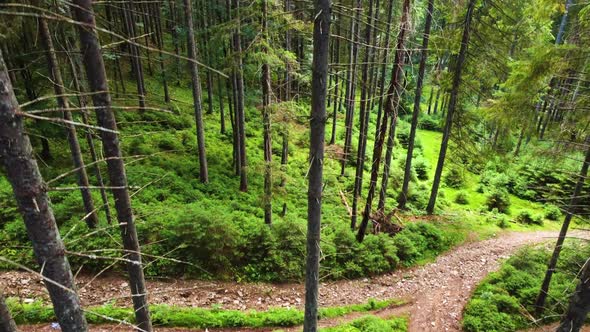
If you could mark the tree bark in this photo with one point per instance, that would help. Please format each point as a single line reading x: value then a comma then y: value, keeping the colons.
x: 196, y: 89
x: 391, y: 108
x: 321, y: 42
x: 417, y: 99
x: 240, y: 115
x: 266, y: 89
x: 7, y: 324
x: 363, y: 117
x: 91, y: 217
x: 384, y: 64
x: 337, y: 102
x: 160, y: 41
x: 89, y: 139
x: 96, y: 74
x: 574, y: 202
x: 452, y: 106
x: 351, y: 84
x: 579, y: 306
x: 129, y: 18
x: 16, y: 156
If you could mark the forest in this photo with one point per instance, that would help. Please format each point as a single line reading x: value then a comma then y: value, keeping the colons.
x: 283, y: 165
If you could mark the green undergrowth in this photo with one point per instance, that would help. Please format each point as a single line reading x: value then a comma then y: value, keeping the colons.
x: 214, y: 231
x: 504, y: 300
x: 372, y: 324
x: 173, y: 316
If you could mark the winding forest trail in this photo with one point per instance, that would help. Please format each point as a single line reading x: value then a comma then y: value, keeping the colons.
x: 436, y: 292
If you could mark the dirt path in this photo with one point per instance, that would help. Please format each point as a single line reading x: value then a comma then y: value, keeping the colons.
x: 437, y: 292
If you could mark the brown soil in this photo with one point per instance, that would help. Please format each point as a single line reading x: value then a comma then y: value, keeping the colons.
x: 436, y: 292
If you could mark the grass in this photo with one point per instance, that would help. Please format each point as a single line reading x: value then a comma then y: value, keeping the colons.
x: 173, y: 316
x: 504, y: 300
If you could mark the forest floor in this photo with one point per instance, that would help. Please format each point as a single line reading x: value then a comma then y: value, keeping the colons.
x: 436, y: 293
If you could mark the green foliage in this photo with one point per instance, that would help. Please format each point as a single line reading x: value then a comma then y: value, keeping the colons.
x: 498, y: 199
x: 527, y: 217
x: 552, y: 212
x: 503, y: 300
x: 172, y: 316
x: 461, y: 198
x: 372, y: 324
x: 454, y: 177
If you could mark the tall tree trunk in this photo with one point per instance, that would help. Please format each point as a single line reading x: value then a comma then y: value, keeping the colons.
x: 96, y: 74
x: 175, y: 39
x: 207, y: 51
x: 266, y: 89
x: 7, y: 324
x: 430, y: 100
x: 391, y: 110
x: 384, y: 56
x: 579, y: 306
x: 417, y: 99
x: 240, y: 114
x: 364, y: 119
x: 221, y: 107
x: 129, y: 18
x: 29, y: 190
x: 160, y: 41
x: 141, y: 7
x: 337, y: 102
x: 89, y: 139
x: 451, y: 109
x: 287, y: 82
x: 436, y: 100
x: 351, y: 83
x: 63, y: 103
x: 321, y: 42
x: 574, y: 202
x: 196, y: 89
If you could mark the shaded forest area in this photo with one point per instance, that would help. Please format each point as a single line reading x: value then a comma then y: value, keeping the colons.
x: 177, y: 139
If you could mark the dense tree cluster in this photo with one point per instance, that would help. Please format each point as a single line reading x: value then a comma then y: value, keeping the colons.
x: 497, y: 78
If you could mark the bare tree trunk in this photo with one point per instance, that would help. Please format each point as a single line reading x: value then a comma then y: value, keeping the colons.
x: 128, y: 16
x: 160, y: 41
x: 287, y: 48
x: 321, y: 42
x: 62, y: 101
x: 266, y: 89
x: 452, y: 105
x: 240, y: 115
x: 364, y: 119
x: 574, y: 202
x: 196, y: 89
x: 175, y: 39
x: 95, y: 71
x: 436, y: 101
x: 337, y: 102
x: 16, y: 156
x: 430, y: 100
x: 7, y: 324
x: 351, y: 84
x: 385, y: 55
x: 83, y: 111
x: 141, y: 7
x: 221, y: 107
x: 579, y: 306
x: 417, y: 99
x: 391, y: 107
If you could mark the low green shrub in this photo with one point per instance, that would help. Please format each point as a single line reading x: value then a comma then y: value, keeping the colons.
x: 461, y: 198
x: 528, y: 218
x: 552, y: 212
x: 454, y: 178
x: 498, y: 199
x: 372, y: 324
